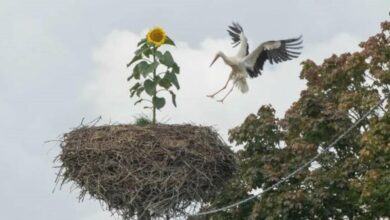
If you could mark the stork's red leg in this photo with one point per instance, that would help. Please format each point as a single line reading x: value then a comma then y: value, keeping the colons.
x: 221, y: 100
x: 224, y: 87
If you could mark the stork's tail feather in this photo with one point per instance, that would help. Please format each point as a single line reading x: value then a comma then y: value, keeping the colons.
x: 242, y: 86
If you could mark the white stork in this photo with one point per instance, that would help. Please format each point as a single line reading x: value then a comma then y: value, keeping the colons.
x: 246, y: 64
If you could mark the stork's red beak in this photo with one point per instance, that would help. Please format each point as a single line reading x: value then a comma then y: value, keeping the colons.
x: 215, y: 59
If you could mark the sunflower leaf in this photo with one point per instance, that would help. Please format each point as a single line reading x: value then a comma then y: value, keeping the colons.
x: 167, y: 59
x: 135, y: 58
x: 165, y: 83
x: 158, y: 54
x: 142, y: 49
x: 147, y: 52
x: 176, y: 69
x: 139, y: 68
x: 136, y: 74
x: 139, y: 91
x: 173, y: 79
x: 135, y: 86
x: 150, y: 87
x: 149, y: 69
x: 158, y: 102
x: 157, y: 80
x: 134, y: 89
x: 139, y: 101
x: 173, y: 95
x: 169, y: 41
x: 132, y: 92
x: 142, y: 41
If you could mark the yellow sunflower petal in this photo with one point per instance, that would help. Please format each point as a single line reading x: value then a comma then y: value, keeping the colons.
x: 156, y: 36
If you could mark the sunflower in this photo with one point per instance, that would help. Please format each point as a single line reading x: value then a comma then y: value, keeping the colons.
x: 156, y: 36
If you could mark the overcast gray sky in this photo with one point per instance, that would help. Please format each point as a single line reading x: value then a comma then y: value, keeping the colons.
x: 61, y: 61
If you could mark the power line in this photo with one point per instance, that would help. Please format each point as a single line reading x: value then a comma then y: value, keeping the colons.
x: 284, y: 179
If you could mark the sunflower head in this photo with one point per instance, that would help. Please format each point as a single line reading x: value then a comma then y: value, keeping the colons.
x: 156, y: 36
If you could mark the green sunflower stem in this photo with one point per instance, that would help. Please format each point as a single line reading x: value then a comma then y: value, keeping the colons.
x: 155, y: 92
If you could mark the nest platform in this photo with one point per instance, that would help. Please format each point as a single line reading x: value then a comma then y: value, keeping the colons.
x: 146, y: 171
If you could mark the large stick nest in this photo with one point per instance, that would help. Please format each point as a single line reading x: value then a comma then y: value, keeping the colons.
x: 155, y: 170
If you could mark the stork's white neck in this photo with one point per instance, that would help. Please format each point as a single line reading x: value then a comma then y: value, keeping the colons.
x: 226, y: 59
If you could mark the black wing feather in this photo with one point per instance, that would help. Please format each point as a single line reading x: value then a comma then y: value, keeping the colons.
x: 287, y: 51
x: 234, y: 31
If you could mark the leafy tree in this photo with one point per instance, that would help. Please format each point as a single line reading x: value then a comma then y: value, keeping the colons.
x: 352, y: 180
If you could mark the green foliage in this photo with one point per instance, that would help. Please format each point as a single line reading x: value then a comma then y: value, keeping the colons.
x: 158, y: 102
x: 142, y: 120
x: 153, y: 73
x: 352, y: 181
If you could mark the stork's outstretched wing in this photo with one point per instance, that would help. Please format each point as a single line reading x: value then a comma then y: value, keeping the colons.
x: 237, y: 34
x: 274, y: 51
